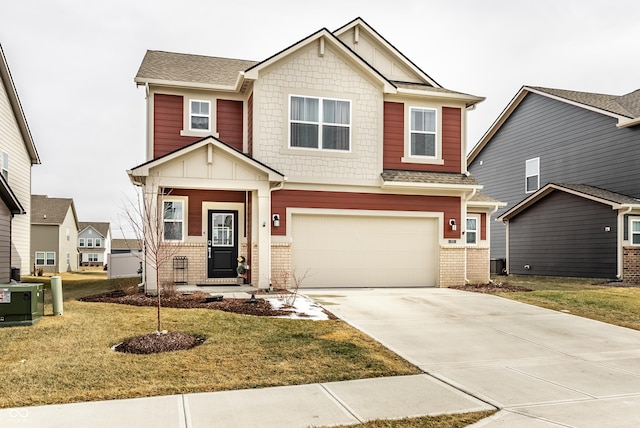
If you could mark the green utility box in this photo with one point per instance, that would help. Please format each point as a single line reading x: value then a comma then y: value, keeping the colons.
x: 21, y: 304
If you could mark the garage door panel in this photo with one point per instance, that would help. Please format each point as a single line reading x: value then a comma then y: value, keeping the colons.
x: 343, y: 251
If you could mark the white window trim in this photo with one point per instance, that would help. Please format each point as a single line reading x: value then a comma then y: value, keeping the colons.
x: 320, y: 123
x: 91, y: 256
x: 81, y: 243
x: 97, y: 242
x: 184, y: 201
x: 89, y: 242
x: 431, y: 160
x: 630, y: 233
x: 46, y: 258
x: 209, y: 116
x: 537, y: 160
x: 476, y: 217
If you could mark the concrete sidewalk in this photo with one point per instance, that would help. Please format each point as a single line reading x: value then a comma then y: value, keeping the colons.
x: 281, y: 407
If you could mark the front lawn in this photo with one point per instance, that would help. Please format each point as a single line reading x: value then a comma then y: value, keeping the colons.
x: 589, y: 298
x: 68, y: 358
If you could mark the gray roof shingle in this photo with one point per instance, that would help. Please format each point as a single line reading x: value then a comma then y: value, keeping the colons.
x: 45, y: 210
x: 101, y: 227
x: 626, y: 105
x: 178, y: 67
x: 402, y: 176
x: 600, y: 193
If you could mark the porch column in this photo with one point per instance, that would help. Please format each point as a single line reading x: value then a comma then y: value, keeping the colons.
x: 264, y: 236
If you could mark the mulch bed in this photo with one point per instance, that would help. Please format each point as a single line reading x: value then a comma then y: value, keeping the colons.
x: 156, y: 342
x: 496, y: 287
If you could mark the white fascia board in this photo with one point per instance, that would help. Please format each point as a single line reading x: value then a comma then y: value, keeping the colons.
x: 468, y: 99
x: 427, y: 186
x: 627, y: 123
x: 193, y: 85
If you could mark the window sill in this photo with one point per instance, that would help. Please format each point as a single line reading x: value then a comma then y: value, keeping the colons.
x: 428, y: 161
x: 201, y: 134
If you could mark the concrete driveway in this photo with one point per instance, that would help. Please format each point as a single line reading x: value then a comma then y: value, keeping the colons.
x: 542, y: 368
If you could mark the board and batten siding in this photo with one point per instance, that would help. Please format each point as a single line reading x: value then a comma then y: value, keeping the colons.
x: 283, y: 199
x: 564, y: 235
x: 19, y: 180
x: 575, y: 145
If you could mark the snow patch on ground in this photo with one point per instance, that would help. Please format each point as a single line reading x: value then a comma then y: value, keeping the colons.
x: 302, y: 308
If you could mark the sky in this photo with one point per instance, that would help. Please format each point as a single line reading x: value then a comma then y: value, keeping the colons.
x: 73, y: 63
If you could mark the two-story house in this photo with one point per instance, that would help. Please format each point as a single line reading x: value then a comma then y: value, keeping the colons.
x: 568, y: 165
x: 94, y: 243
x: 336, y: 156
x: 54, y: 234
x: 17, y: 155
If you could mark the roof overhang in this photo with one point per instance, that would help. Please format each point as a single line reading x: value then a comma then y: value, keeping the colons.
x: 469, y: 100
x: 9, y: 198
x: 236, y: 87
x: 552, y: 187
x: 137, y: 174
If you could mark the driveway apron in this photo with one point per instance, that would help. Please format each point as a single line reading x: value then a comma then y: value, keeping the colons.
x: 542, y: 368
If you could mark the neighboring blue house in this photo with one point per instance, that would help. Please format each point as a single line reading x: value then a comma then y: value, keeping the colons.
x: 567, y: 164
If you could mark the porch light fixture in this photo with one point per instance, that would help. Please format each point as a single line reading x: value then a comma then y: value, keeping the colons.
x: 276, y: 220
x: 452, y: 223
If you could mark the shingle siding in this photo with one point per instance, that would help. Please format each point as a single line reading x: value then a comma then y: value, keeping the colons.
x: 575, y: 145
x: 564, y: 235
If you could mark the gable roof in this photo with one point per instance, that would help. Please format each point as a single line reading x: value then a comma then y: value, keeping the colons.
x: 625, y: 108
x: 143, y: 169
x: 126, y: 244
x: 46, y: 210
x: 615, y: 200
x: 101, y: 227
x: 7, y: 81
x: 226, y: 74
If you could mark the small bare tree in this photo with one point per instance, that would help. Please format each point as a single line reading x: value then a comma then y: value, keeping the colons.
x: 146, y: 216
x: 287, y: 285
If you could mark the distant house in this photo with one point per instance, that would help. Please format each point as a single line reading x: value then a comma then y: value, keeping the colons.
x: 124, y: 246
x: 568, y: 165
x: 94, y: 243
x: 17, y: 155
x: 337, y: 155
x: 54, y: 234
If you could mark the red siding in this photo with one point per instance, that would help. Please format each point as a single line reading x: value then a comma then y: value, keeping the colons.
x: 482, y: 225
x: 167, y: 124
x: 283, y: 199
x: 229, y: 122
x: 250, y: 126
x: 197, y: 197
x: 394, y: 137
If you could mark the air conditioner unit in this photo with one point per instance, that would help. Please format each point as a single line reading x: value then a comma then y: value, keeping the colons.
x: 21, y: 304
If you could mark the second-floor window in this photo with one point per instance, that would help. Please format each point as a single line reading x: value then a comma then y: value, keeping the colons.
x: 5, y: 165
x: 81, y: 242
x: 320, y: 123
x: 532, y: 175
x: 199, y: 115
x: 89, y: 242
x: 98, y: 242
x: 423, y: 132
x: 173, y: 223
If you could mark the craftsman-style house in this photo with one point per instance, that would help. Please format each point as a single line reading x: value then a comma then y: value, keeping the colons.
x: 336, y: 157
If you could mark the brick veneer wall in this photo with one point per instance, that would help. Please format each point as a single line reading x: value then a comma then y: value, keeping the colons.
x: 280, y: 264
x: 631, y: 264
x: 451, y: 266
x: 478, y: 265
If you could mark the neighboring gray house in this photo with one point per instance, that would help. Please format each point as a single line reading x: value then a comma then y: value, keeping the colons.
x: 94, y: 243
x: 125, y: 246
x: 568, y: 165
x: 17, y: 155
x: 54, y: 234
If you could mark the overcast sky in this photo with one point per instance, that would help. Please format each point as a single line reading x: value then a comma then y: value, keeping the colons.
x: 73, y: 63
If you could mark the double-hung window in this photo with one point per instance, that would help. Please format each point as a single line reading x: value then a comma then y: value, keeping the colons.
x: 320, y: 123
x: 532, y: 175
x: 423, y: 132
x: 98, y: 242
x: 81, y: 242
x: 45, y: 258
x: 199, y: 115
x: 635, y: 232
x: 173, y: 220
x: 93, y: 257
x: 89, y: 242
x: 472, y: 230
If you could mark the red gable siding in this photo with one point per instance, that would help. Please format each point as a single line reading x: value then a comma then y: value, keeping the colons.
x: 197, y: 197
x: 394, y: 137
x: 229, y: 122
x: 167, y: 124
x: 282, y: 199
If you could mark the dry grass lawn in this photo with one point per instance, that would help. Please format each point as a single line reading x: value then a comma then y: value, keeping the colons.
x: 69, y: 358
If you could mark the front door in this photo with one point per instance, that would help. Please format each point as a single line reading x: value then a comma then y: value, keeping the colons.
x: 222, y: 243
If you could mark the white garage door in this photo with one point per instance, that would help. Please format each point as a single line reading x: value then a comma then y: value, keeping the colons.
x: 365, y: 251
